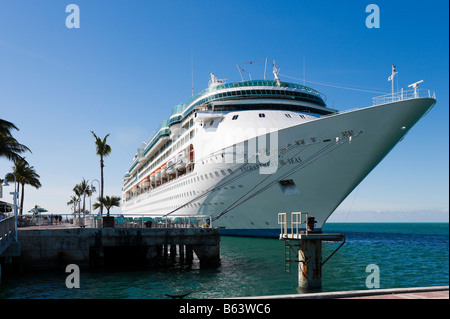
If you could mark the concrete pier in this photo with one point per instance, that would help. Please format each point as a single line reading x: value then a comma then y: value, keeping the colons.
x: 115, y: 247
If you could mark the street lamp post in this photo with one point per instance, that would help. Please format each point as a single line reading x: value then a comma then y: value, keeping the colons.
x: 93, y: 190
x: 5, y: 183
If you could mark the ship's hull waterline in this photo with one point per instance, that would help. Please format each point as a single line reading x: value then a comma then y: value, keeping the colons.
x: 319, y: 163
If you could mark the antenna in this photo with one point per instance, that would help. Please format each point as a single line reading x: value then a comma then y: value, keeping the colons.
x: 391, y: 78
x: 415, y: 85
x: 239, y: 69
x: 265, y: 67
x: 192, y: 71
x: 276, y: 71
x: 304, y: 78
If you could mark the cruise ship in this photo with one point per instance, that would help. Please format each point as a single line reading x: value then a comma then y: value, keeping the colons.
x: 243, y: 152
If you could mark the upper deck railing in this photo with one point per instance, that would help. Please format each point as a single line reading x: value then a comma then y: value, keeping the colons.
x: 403, y: 95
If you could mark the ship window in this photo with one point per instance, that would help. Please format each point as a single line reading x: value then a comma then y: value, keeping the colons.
x: 223, y: 172
x: 288, y: 115
x: 262, y: 115
x: 211, y: 123
x: 235, y: 117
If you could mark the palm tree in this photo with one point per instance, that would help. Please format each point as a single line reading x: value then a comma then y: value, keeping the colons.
x: 102, y: 150
x: 73, y: 201
x: 78, y: 193
x: 84, y: 190
x: 9, y: 147
x: 25, y: 175
x: 107, y: 202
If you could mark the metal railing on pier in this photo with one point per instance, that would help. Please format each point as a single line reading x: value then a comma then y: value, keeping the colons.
x: 404, y: 95
x: 120, y: 221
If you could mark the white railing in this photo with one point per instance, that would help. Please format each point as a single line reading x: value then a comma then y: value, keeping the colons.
x: 120, y: 221
x: 403, y: 95
x: 297, y: 228
x: 296, y: 221
x: 282, y: 221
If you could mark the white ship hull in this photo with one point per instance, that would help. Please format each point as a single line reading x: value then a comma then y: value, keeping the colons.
x: 322, y: 159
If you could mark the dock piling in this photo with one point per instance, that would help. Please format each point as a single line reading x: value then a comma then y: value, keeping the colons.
x: 305, y: 248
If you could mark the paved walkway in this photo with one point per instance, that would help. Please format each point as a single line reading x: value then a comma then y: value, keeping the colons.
x: 55, y: 226
x: 440, y: 292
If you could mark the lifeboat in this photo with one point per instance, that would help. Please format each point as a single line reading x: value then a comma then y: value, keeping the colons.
x: 152, y: 177
x: 191, y: 153
x: 181, y: 161
x: 170, y: 167
x: 158, y: 174
x: 164, y: 170
x: 145, y: 182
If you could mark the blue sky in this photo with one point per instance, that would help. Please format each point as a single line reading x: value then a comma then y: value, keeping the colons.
x: 130, y: 62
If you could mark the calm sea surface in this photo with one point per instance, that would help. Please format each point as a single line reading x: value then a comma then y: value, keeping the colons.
x: 407, y: 254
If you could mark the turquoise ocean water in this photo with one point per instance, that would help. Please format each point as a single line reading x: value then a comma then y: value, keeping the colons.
x: 407, y: 254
